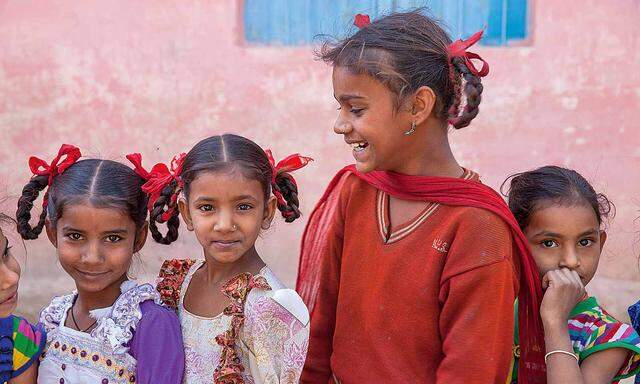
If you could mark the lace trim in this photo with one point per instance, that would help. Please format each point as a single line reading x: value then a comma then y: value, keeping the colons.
x: 117, y: 328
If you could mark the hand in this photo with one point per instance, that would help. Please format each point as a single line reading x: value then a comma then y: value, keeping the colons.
x: 563, y: 290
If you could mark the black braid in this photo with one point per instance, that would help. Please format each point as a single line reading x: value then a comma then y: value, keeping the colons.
x: 473, y: 94
x: 287, y: 187
x: 30, y: 193
x: 159, y: 207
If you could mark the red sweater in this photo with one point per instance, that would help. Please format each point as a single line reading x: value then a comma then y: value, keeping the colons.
x: 430, y: 301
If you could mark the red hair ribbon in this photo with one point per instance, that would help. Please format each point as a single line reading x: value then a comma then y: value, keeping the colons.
x: 361, y: 20
x: 459, y: 49
x: 288, y: 164
x: 40, y: 167
x: 159, y: 177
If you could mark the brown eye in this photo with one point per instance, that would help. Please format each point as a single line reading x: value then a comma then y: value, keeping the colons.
x: 74, y: 236
x: 549, y: 243
x: 586, y: 242
x: 206, y: 208
x: 113, y: 238
x: 244, y: 207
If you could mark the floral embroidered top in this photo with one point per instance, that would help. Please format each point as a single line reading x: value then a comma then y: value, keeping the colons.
x: 261, y: 337
x: 124, y: 347
x: 591, y: 330
x: 21, y: 344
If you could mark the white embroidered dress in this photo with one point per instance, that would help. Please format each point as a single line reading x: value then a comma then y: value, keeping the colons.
x: 273, y: 340
x: 99, y: 357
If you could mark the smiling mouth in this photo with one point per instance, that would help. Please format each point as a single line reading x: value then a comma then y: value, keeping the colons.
x: 10, y: 298
x: 359, y: 146
x: 91, y: 274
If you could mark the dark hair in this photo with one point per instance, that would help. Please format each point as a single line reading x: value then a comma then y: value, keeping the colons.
x: 406, y: 51
x: 222, y: 153
x: 101, y: 183
x: 552, y: 184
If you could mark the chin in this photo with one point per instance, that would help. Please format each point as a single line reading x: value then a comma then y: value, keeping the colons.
x: 93, y: 286
x: 365, y: 167
x: 7, y: 309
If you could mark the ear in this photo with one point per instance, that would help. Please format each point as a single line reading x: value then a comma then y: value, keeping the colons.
x: 141, y: 237
x: 269, y: 212
x: 51, y: 232
x: 183, y: 206
x: 422, y: 104
x: 603, y: 238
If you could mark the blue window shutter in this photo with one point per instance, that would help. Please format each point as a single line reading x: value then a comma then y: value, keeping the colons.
x: 299, y: 22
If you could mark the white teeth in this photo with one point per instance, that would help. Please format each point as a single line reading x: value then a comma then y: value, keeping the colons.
x: 359, y: 145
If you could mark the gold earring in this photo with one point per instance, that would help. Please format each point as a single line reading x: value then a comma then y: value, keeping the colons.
x: 413, y: 129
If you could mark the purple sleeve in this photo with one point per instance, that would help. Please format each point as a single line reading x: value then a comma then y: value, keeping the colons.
x: 157, y: 346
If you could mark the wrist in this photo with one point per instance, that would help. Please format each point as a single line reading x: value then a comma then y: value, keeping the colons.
x: 554, y: 324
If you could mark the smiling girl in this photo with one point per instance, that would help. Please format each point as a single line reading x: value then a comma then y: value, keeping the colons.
x: 562, y: 217
x: 21, y: 344
x: 105, y: 331
x: 408, y: 262
x: 239, y: 322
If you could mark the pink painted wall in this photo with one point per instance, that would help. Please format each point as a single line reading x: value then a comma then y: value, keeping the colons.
x: 156, y: 77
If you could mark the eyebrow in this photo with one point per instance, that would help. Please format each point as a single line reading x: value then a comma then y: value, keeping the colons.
x: 117, y: 230
x: 553, y: 234
x: 547, y: 234
x: 344, y: 98
x: 245, y: 197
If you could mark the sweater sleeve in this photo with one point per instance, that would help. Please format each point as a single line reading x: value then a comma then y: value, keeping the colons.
x: 157, y: 346
x: 478, y: 288
x: 317, y: 368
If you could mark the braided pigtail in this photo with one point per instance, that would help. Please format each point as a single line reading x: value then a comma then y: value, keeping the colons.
x: 163, y: 185
x: 44, y: 174
x: 286, y: 186
x: 472, y: 92
x: 30, y: 193
x: 165, y: 211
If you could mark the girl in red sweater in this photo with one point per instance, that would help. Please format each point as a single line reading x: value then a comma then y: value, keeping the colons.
x: 410, y: 265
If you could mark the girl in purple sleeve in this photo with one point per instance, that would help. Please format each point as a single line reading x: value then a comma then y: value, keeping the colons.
x: 111, y: 329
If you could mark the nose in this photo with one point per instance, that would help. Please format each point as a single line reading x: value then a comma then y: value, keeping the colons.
x: 570, y: 259
x: 93, y: 253
x: 8, y: 277
x: 342, y: 126
x: 224, y: 222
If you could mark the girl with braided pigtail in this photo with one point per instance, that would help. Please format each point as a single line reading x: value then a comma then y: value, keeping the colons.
x: 95, y: 215
x: 239, y: 322
x: 408, y: 262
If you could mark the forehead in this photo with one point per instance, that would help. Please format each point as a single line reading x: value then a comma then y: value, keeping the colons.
x: 225, y: 185
x: 87, y: 217
x: 346, y: 81
x: 563, y: 219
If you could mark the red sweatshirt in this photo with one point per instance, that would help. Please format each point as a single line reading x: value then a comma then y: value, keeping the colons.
x: 429, y: 301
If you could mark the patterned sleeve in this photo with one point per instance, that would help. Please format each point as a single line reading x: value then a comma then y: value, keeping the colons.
x: 28, y: 343
x: 170, y: 278
x: 278, y: 337
x: 596, y: 331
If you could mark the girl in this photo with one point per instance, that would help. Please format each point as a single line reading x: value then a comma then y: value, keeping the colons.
x: 21, y: 344
x: 407, y: 251
x: 239, y: 322
x: 562, y: 216
x: 107, y: 330
x: 634, y: 314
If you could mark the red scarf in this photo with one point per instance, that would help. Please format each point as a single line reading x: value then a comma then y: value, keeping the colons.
x: 446, y: 191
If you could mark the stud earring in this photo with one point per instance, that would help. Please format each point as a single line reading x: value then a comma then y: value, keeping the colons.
x: 413, y: 129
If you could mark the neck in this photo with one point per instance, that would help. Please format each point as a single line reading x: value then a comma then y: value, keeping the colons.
x: 88, y: 301
x: 217, y: 271
x: 431, y: 153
